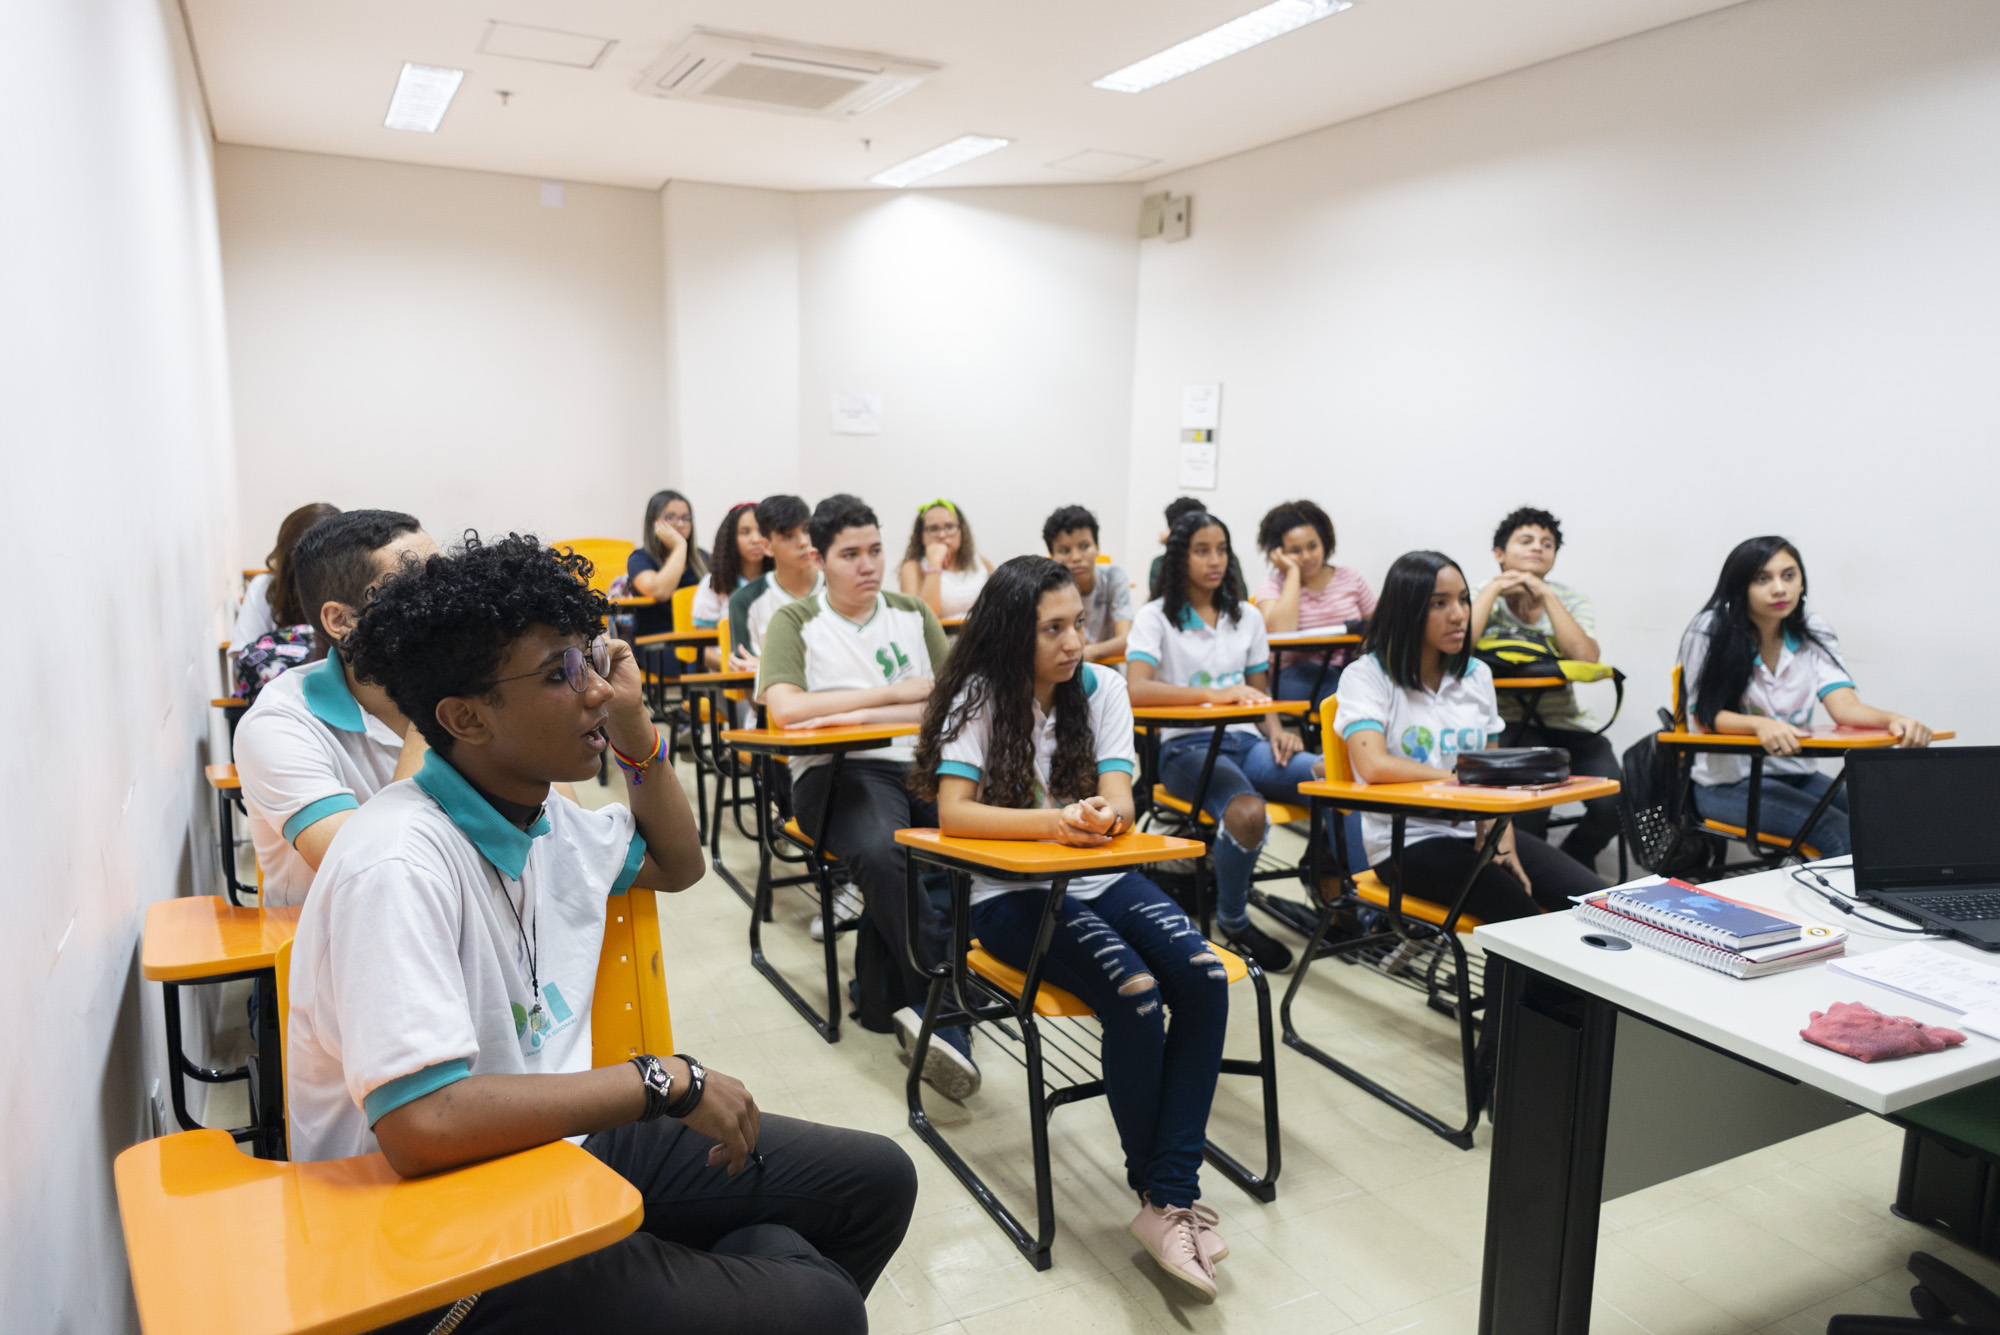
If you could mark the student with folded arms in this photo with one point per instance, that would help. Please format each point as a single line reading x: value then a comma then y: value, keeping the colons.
x: 1023, y: 739
x: 271, y: 599
x: 1307, y: 591
x: 737, y: 559
x: 1409, y: 707
x: 319, y: 741
x: 791, y: 571
x: 444, y: 971
x: 1070, y: 534
x: 1756, y: 662
x: 851, y: 655
x: 1200, y: 642
x: 941, y: 565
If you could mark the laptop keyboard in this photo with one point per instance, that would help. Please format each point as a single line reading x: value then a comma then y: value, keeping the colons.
x: 1969, y: 906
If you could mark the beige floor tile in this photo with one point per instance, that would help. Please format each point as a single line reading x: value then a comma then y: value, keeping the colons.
x: 1455, y: 1313
x: 1632, y: 1294
x: 1099, y: 1303
x: 1360, y: 1249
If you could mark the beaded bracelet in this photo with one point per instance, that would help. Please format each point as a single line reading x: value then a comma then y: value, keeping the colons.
x: 637, y: 768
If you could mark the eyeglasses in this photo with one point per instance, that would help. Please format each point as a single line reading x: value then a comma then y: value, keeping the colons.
x: 940, y: 530
x: 599, y: 652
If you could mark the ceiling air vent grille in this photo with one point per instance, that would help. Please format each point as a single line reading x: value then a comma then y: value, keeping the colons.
x: 729, y: 69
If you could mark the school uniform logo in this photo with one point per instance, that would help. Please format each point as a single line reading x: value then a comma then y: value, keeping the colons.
x: 1419, y: 744
x: 535, y: 1025
x: 891, y: 668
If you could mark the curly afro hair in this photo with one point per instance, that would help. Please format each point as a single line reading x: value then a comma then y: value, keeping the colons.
x: 440, y: 629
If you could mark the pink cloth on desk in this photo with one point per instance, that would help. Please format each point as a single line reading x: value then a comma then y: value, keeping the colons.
x: 1866, y: 1034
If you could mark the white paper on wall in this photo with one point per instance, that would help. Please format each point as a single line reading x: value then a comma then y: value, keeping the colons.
x: 1198, y: 465
x: 857, y: 414
x: 1201, y: 407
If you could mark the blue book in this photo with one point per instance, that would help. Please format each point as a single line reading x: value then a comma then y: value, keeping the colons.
x: 1692, y: 911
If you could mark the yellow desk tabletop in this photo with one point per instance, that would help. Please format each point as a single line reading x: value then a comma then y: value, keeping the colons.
x: 1045, y: 858
x: 1196, y: 715
x: 1447, y: 795
x: 1310, y: 639
x: 229, y: 702
x: 815, y: 741
x: 1528, y: 683
x: 1821, y: 738
x: 640, y: 601
x: 1114, y: 661
x: 345, y: 1245
x: 252, y: 574
x: 951, y: 624
x: 222, y: 776
x: 716, y: 678
x: 704, y: 635
x: 205, y: 936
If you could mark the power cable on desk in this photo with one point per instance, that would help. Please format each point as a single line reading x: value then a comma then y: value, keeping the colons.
x: 1825, y: 890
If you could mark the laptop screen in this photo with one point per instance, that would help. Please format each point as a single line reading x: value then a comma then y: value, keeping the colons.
x: 1925, y: 818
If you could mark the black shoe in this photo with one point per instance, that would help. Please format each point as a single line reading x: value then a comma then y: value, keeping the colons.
x: 1271, y: 956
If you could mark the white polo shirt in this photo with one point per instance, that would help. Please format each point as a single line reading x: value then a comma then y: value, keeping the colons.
x: 1429, y: 727
x: 752, y: 607
x: 1806, y: 674
x: 305, y: 751
x: 709, y: 607
x: 418, y: 956
x: 964, y: 757
x: 254, y: 617
x: 813, y: 647
x: 1196, y: 654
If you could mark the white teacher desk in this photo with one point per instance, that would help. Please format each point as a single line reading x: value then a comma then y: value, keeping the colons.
x: 1620, y: 1069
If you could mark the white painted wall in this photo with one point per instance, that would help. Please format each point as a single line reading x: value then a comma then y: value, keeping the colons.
x: 440, y: 342
x: 998, y: 326
x: 120, y: 482
x: 1731, y: 277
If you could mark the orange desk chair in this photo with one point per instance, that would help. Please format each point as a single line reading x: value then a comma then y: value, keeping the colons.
x: 346, y: 1245
x: 607, y: 557
x: 1766, y: 840
x: 228, y: 789
x: 975, y: 987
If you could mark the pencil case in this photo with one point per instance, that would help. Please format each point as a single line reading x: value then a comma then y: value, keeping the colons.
x: 1513, y: 767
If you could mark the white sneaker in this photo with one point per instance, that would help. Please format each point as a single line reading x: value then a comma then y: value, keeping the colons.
x: 947, y: 1070
x: 846, y: 912
x: 1172, y: 1239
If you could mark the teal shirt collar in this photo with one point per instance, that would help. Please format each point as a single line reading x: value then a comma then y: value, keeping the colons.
x: 501, y: 842
x: 1191, y: 619
x: 327, y: 695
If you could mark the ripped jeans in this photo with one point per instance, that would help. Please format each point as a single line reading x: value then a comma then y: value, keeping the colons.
x: 1163, y: 1000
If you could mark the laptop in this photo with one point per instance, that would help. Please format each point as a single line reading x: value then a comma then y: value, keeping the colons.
x: 1926, y: 830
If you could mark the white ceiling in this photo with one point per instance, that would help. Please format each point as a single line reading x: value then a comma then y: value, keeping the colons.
x: 304, y: 74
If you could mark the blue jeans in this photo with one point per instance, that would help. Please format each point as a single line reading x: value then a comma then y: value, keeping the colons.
x: 1243, y: 764
x: 1300, y: 672
x: 1784, y: 803
x: 1159, y: 1072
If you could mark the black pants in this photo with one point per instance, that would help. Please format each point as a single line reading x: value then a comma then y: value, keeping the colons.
x: 873, y: 803
x: 1435, y: 869
x: 793, y: 1245
x: 1588, y: 754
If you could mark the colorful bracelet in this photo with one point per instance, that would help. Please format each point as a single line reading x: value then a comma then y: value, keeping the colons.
x: 637, y: 768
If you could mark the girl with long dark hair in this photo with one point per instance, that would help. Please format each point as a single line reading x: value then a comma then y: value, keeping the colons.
x: 1200, y: 642
x: 271, y: 599
x: 739, y: 556
x: 1409, y: 706
x: 941, y: 565
x: 666, y: 559
x: 1022, y: 739
x: 1755, y: 661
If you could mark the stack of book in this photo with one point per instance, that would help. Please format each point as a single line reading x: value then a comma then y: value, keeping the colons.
x: 1714, y: 931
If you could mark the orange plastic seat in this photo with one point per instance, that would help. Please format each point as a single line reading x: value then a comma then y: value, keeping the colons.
x: 795, y: 832
x: 1763, y: 836
x: 1281, y: 813
x: 1369, y: 886
x: 607, y: 557
x: 1052, y: 1002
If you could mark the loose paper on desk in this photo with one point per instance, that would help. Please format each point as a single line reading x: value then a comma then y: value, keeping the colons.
x: 1929, y: 974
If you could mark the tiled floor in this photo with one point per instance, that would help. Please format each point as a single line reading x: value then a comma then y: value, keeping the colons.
x: 1377, y: 1225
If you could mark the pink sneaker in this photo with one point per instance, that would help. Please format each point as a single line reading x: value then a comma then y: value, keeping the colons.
x: 1213, y: 1248
x: 1173, y: 1239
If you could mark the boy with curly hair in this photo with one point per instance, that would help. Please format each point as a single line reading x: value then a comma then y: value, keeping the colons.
x: 446, y: 961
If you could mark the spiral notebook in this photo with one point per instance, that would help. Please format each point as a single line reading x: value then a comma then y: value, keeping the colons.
x: 1691, y: 911
x: 1815, y: 942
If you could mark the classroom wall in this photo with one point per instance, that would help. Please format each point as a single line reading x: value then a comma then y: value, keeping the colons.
x: 1730, y: 277
x: 120, y: 497
x: 441, y: 342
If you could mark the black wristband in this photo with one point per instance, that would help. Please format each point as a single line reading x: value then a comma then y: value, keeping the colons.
x: 690, y: 1098
x: 657, y: 1083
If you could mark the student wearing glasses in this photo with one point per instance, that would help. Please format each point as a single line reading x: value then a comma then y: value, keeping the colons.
x: 444, y: 972
x: 666, y: 559
x: 941, y: 565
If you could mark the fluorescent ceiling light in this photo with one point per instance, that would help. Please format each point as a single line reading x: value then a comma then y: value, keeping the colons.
x: 422, y: 94
x: 1240, y: 34
x: 942, y: 158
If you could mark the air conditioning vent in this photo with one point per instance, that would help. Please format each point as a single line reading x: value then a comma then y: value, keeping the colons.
x: 730, y: 69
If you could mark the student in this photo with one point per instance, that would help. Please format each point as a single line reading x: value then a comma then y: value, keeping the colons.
x: 319, y: 741
x: 665, y: 560
x: 1755, y: 661
x: 1307, y: 591
x: 941, y: 565
x: 737, y: 558
x: 1409, y: 706
x: 1180, y: 505
x: 845, y: 656
x: 1200, y: 643
x: 1070, y: 535
x: 1523, y: 598
x: 271, y: 599
x: 1023, y: 739
x: 791, y: 571
x: 445, y: 967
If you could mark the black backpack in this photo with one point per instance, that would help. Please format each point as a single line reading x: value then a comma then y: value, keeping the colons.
x: 1657, y: 812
